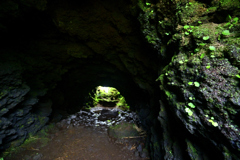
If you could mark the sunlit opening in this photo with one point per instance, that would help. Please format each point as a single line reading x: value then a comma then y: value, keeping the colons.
x: 103, y: 96
x: 105, y: 89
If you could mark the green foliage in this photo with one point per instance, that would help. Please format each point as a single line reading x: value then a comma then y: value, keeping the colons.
x: 232, y: 22
x: 1, y: 158
x: 196, y: 50
x: 202, y: 55
x: 226, y: 32
x: 215, y: 124
x: 196, y: 84
x: 186, y: 27
x: 191, y: 105
x: 238, y: 76
x: 188, y: 110
x: 199, y: 22
x: 208, y: 67
x: 168, y: 94
x: 235, y: 20
x: 148, y: 4
x: 202, y: 44
x: 186, y: 33
x: 205, y: 38
x: 191, y: 98
x: 212, y: 48
x: 190, y: 83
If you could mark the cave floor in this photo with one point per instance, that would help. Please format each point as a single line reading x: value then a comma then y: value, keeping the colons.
x: 80, y: 142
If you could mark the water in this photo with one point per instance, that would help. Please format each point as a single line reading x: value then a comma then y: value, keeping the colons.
x: 84, y: 136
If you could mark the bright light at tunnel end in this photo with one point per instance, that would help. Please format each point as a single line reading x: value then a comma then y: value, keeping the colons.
x: 106, y: 89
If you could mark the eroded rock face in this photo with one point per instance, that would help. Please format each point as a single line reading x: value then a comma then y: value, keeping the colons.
x: 200, y: 83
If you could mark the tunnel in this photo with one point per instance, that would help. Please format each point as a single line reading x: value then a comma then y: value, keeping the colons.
x: 172, y: 61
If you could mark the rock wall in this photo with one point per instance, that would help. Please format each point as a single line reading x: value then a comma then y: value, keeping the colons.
x: 198, y: 42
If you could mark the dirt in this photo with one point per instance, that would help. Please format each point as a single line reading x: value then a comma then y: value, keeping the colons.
x: 67, y: 141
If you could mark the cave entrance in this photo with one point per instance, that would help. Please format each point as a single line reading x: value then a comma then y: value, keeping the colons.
x: 108, y: 97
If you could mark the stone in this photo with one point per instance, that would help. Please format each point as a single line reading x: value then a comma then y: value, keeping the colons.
x: 37, y: 156
x: 144, y: 153
x: 123, y: 130
x: 136, y: 153
x: 107, y: 114
x: 139, y: 148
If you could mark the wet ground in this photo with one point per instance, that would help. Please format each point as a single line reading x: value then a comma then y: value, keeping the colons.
x: 85, y: 136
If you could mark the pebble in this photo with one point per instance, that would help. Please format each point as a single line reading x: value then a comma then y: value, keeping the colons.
x: 37, y: 157
x: 139, y: 148
x: 136, y: 153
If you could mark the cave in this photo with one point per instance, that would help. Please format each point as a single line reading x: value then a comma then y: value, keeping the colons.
x: 184, y: 88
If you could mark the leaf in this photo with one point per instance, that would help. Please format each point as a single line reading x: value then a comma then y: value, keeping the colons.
x: 208, y: 67
x: 186, y: 27
x: 229, y: 17
x: 190, y: 113
x: 191, y: 105
x: 202, y: 55
x: 199, y: 22
x: 212, y: 48
x: 190, y: 83
x: 196, y: 50
x: 196, y: 84
x: 186, y: 33
x: 235, y: 20
x: 226, y: 32
x: 205, y: 38
x: 148, y: 4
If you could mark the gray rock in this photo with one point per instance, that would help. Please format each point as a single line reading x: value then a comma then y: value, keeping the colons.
x: 144, y: 153
x: 37, y: 157
x: 107, y: 114
x: 136, y: 153
x: 139, y: 148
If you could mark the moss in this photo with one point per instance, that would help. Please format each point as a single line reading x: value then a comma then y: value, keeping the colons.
x: 226, y: 4
x: 192, y: 151
x: 192, y: 11
x: 41, y: 138
x: 169, y: 95
x: 3, y: 93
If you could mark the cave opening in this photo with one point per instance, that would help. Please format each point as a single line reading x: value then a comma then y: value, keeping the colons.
x: 105, y: 96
